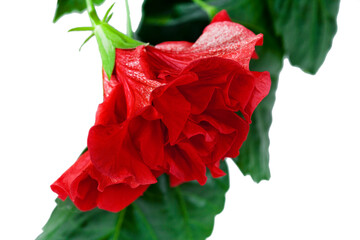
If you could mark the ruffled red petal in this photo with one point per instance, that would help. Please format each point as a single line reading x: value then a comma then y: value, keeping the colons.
x: 88, y: 188
x: 168, y: 109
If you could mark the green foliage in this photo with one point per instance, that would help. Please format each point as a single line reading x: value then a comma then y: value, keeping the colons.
x: 301, y: 29
x: 307, y: 28
x: 171, y: 21
x: 162, y: 213
x: 108, y: 38
x: 253, y: 159
x: 70, y: 6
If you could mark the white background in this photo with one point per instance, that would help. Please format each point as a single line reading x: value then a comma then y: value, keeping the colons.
x: 49, y: 93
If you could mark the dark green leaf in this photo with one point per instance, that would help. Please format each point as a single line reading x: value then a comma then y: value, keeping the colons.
x: 253, y: 159
x: 162, y: 213
x: 307, y: 28
x: 71, y: 6
x: 171, y: 21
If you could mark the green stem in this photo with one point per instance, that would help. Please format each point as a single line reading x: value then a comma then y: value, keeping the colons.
x: 92, y: 13
x: 129, y: 29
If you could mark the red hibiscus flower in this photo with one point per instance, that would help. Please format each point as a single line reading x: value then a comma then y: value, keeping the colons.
x: 168, y: 109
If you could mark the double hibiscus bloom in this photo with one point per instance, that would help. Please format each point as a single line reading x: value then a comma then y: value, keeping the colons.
x: 168, y: 109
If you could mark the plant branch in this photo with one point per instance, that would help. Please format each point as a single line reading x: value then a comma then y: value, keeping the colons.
x: 92, y: 13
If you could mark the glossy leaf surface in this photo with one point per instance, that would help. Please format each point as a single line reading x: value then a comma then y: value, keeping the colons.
x: 307, y: 29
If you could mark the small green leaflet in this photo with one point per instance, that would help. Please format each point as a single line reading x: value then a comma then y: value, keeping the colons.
x: 162, y: 213
x: 70, y: 6
x: 108, y: 39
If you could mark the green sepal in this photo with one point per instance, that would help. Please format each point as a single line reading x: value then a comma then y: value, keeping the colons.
x: 129, y: 30
x: 108, y: 39
x: 86, y: 40
x: 107, y: 13
x: 108, y: 18
x: 81, y: 29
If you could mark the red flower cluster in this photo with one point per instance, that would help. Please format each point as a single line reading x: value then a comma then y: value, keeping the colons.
x: 168, y: 109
